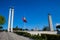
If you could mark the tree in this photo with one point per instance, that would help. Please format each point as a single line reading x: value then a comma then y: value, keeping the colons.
x: 46, y: 28
x: 2, y: 21
x: 26, y: 29
x: 16, y: 28
x: 1, y: 27
x: 32, y: 29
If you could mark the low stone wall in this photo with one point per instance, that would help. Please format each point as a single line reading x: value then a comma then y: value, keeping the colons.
x: 41, y: 32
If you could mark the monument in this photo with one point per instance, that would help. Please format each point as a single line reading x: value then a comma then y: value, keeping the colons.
x: 50, y: 22
x: 10, y: 20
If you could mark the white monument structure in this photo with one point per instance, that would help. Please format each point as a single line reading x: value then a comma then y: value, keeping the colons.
x: 50, y: 22
x: 10, y: 20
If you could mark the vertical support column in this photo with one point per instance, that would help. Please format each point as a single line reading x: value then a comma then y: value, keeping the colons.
x: 50, y: 22
x: 9, y: 24
x: 12, y: 20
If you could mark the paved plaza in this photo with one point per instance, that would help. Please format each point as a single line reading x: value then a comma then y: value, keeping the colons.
x: 11, y: 36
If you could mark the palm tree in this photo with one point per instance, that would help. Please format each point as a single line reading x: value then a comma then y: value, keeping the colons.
x: 2, y: 21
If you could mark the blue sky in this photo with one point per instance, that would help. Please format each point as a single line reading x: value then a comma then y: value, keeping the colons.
x: 35, y: 11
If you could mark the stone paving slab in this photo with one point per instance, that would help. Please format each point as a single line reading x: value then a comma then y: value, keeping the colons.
x: 11, y: 36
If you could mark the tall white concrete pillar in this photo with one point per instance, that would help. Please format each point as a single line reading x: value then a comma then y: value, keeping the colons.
x: 9, y: 23
x: 50, y: 22
x: 10, y: 20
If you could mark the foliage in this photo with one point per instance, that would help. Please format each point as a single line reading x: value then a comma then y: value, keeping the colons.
x: 51, y: 36
x: 42, y: 37
x: 1, y: 27
x: 23, y: 34
x: 16, y: 28
x: 32, y: 29
x: 2, y: 20
x: 46, y: 28
x: 25, y: 29
x: 35, y: 37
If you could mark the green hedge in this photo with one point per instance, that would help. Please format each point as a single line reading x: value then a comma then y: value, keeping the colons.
x: 35, y: 37
x: 42, y: 37
x: 23, y: 34
x: 50, y: 36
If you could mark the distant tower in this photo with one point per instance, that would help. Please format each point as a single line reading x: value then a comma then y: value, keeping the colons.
x: 50, y: 22
x: 10, y: 20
